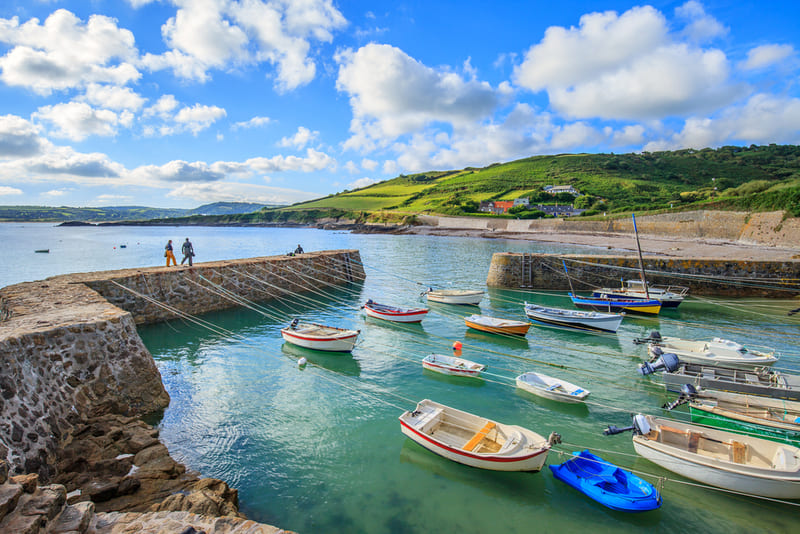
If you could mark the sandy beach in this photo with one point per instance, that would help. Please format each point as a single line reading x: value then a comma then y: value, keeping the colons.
x: 626, y: 244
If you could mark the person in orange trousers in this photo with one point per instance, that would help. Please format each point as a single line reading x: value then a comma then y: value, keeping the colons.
x: 169, y: 254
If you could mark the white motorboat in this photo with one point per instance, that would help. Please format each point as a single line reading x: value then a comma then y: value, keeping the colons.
x: 717, y: 352
x: 455, y: 296
x: 551, y: 388
x: 475, y: 441
x: 736, y: 462
x: 576, y: 319
x: 320, y: 337
x: 450, y: 365
x: 393, y: 313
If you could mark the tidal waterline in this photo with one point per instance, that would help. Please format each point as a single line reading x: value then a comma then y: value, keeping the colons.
x: 319, y: 449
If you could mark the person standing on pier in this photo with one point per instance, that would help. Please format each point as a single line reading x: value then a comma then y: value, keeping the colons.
x: 169, y: 254
x: 188, y: 251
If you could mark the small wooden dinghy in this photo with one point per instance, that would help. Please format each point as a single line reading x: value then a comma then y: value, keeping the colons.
x: 575, y: 319
x: 395, y: 314
x: 717, y: 352
x: 551, y: 388
x: 736, y: 462
x: 454, y: 296
x: 475, y: 441
x: 320, y: 337
x: 494, y: 325
x: 607, y: 484
x: 450, y: 365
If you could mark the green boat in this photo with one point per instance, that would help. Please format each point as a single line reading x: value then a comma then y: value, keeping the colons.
x: 767, y: 422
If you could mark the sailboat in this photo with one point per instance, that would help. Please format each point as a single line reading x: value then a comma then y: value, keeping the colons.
x: 610, y: 302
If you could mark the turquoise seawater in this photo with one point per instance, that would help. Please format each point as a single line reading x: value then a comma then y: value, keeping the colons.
x: 319, y: 449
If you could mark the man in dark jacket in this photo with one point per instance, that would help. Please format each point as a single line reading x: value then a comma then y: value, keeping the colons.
x: 188, y: 251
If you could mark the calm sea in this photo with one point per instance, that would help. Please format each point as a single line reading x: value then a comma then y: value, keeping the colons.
x: 319, y: 449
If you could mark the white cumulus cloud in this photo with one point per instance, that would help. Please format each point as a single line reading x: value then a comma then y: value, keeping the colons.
x: 301, y: 138
x: 766, y: 55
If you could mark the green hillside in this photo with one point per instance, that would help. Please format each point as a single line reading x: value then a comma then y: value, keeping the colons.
x: 753, y: 178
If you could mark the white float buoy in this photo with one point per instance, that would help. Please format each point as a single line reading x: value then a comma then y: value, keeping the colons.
x: 302, y: 362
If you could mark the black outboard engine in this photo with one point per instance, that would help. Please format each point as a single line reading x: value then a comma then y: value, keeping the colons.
x: 654, y: 337
x: 669, y: 362
x: 639, y: 426
x: 688, y: 392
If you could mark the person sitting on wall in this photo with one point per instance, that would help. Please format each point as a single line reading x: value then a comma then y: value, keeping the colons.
x: 298, y: 250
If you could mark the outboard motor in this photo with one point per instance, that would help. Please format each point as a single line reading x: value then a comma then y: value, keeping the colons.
x: 688, y: 392
x: 639, y: 426
x: 669, y: 362
x: 654, y: 337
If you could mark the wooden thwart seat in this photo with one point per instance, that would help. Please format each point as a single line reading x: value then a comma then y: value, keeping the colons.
x: 478, y: 437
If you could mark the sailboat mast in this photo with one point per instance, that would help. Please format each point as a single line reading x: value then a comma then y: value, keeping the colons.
x: 641, y: 261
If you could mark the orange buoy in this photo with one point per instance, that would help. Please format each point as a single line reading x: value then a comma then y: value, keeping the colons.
x: 457, y: 345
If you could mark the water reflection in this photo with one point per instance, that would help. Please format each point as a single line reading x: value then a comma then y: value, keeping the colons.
x: 340, y: 362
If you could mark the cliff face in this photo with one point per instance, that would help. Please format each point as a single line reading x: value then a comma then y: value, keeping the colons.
x: 75, y: 377
x: 67, y: 355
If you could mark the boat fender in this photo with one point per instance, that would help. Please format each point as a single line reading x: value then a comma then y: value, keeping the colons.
x: 302, y: 362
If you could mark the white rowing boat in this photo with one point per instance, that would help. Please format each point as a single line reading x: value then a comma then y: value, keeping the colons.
x: 320, y: 337
x: 551, y: 388
x: 450, y: 365
x: 575, y: 319
x: 736, y: 462
x: 473, y: 440
x: 455, y: 296
x: 393, y: 313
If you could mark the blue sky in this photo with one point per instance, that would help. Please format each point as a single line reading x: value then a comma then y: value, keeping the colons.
x: 176, y: 103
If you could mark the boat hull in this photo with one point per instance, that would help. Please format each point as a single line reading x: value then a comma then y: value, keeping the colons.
x: 774, y: 385
x: 512, y: 329
x: 430, y: 426
x: 467, y: 298
x: 644, y: 307
x: 450, y: 366
x: 543, y: 387
x: 576, y: 320
x: 702, y: 416
x: 730, y: 360
x: 342, y: 343
x: 781, y: 488
x: 412, y: 315
x: 607, y: 484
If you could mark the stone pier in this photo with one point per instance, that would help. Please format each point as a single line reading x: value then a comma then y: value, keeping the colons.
x: 75, y: 377
x: 703, y: 276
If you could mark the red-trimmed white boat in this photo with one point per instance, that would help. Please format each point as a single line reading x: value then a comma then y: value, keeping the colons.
x: 392, y: 313
x: 450, y: 365
x: 319, y: 337
x: 475, y: 441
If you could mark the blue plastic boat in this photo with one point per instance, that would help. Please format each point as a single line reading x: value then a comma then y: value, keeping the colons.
x: 607, y: 484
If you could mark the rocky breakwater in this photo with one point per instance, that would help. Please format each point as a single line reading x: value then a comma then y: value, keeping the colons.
x: 75, y: 380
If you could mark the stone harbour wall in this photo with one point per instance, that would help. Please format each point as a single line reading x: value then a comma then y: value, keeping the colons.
x: 75, y: 377
x: 703, y: 276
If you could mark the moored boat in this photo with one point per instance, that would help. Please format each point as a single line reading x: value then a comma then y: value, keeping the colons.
x: 668, y: 296
x: 450, y: 365
x: 551, y: 388
x: 495, y: 325
x: 320, y: 337
x: 763, y: 381
x: 455, y: 296
x: 606, y: 483
x: 609, y: 305
x: 716, y: 352
x: 473, y: 440
x: 393, y: 313
x: 774, y: 419
x: 735, y: 462
x: 575, y: 319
